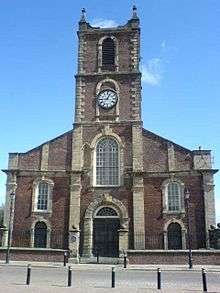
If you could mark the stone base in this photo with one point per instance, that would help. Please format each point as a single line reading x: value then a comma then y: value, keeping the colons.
x: 102, y: 260
x: 73, y: 260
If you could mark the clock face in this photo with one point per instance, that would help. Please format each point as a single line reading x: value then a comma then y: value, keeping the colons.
x: 107, y: 99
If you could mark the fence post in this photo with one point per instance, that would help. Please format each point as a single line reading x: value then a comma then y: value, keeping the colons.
x: 97, y: 256
x: 28, y: 279
x: 204, y: 281
x: 64, y: 258
x: 125, y: 261
x: 113, y: 277
x: 69, y: 276
x: 158, y: 278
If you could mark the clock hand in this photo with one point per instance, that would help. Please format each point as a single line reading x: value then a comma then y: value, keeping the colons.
x: 107, y: 96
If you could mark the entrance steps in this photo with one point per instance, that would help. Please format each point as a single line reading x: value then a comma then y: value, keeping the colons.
x: 102, y: 260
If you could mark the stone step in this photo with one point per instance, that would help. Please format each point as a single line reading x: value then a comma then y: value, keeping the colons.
x: 102, y: 260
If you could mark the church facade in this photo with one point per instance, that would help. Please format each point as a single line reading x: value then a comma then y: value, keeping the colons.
x: 109, y: 185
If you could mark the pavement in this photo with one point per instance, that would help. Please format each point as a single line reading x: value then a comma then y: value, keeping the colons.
x: 95, y: 266
x: 96, y: 278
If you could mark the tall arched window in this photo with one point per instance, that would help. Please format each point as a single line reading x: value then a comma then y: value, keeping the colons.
x: 173, y: 196
x: 42, y: 195
x: 108, y: 52
x: 40, y: 235
x: 107, y: 162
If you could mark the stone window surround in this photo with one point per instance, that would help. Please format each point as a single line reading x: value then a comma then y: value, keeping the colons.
x: 117, y: 89
x: 47, y: 223
x: 100, y: 52
x: 165, y: 196
x: 35, y: 195
x: 183, y: 231
x: 97, y: 138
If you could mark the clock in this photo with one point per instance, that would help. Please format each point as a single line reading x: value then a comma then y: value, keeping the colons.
x: 107, y: 99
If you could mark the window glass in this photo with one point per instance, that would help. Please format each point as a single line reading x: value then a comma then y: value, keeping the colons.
x: 42, y: 199
x: 107, y: 162
x: 174, y: 194
x: 107, y: 212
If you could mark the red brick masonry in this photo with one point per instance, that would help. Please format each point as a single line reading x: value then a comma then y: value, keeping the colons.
x: 34, y: 254
x: 200, y: 257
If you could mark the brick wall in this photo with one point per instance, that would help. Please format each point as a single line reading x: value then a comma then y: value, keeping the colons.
x: 42, y: 255
x: 174, y: 257
x: 155, y: 219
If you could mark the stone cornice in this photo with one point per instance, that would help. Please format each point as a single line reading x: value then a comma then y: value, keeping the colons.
x: 179, y: 173
x: 54, y: 173
x: 101, y: 123
x: 122, y: 29
x: 108, y: 73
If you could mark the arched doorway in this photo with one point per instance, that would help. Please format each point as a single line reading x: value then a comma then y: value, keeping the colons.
x: 106, y: 224
x: 40, y: 235
x: 174, y: 233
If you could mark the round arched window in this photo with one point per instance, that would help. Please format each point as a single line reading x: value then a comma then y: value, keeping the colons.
x: 106, y: 212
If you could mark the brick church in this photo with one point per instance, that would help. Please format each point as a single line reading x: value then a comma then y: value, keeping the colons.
x: 108, y: 184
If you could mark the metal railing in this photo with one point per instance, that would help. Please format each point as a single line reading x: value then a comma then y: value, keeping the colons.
x: 57, y: 239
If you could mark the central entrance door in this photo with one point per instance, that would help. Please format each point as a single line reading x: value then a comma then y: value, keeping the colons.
x: 105, y: 233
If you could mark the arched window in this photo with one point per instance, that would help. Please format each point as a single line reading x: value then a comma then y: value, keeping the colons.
x: 107, y: 161
x: 173, y: 194
x: 106, y: 212
x: 42, y: 195
x: 40, y: 235
x: 108, y: 52
x: 174, y: 234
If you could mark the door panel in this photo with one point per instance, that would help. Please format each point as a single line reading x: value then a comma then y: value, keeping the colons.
x: 105, y: 236
x: 174, y: 236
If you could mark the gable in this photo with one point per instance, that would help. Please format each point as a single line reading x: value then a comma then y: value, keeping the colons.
x: 155, y: 154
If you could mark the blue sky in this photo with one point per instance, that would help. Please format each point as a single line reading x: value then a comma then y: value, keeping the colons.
x: 180, y: 49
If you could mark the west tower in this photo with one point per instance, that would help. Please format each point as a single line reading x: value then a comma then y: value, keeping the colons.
x: 108, y: 105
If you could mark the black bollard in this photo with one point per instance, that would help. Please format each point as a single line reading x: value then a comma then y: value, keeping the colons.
x: 158, y: 279
x: 64, y: 258
x: 69, y: 277
x: 28, y: 280
x: 113, y: 277
x: 204, y: 281
x: 125, y: 261
x: 97, y: 256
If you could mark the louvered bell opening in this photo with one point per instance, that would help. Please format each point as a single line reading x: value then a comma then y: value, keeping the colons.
x: 108, y: 52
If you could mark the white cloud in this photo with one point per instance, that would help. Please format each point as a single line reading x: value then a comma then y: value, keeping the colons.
x: 152, y: 72
x: 101, y: 22
x: 163, y: 44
